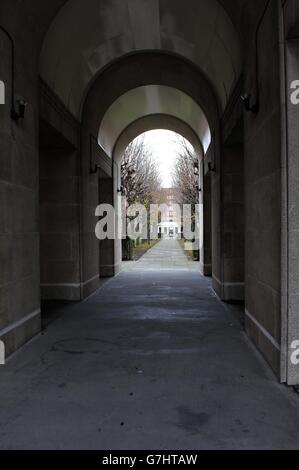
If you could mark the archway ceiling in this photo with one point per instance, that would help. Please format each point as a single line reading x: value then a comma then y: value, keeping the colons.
x: 148, y: 101
x: 86, y: 36
x: 155, y: 122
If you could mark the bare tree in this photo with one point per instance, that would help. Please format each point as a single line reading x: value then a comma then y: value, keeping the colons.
x: 185, y: 174
x: 140, y: 182
x: 139, y: 174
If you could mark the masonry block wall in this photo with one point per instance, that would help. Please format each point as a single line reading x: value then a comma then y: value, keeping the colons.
x: 60, y: 225
x: 59, y: 199
x: 291, y: 169
x: 19, y: 231
x: 262, y: 154
x: 233, y: 223
x: 107, y: 247
x: 20, y: 317
x: 206, y: 233
x: 91, y: 186
x: 216, y: 216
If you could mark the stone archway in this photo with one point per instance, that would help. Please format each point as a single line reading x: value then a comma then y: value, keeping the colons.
x: 108, y: 112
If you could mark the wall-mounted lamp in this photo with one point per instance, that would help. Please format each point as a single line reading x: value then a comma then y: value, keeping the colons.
x: 211, y: 167
x: 196, y: 167
x: 19, y: 112
x: 246, y: 99
x: 94, y: 170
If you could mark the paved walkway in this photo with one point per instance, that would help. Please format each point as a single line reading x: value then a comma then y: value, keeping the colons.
x: 167, y: 254
x: 152, y: 361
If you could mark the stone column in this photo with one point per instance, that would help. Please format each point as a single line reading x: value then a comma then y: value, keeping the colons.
x: 263, y: 215
x: 107, y: 249
x: 205, y: 222
x: 59, y: 225
x: 233, y: 223
x: 290, y: 263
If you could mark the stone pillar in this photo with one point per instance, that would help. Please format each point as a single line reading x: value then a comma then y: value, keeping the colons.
x: 233, y: 223
x: 228, y: 224
x: 213, y: 159
x: 59, y: 225
x: 20, y: 317
x: 107, y: 253
x: 90, y: 243
x: 205, y: 222
x: 290, y: 264
x: 119, y: 217
x: 263, y: 175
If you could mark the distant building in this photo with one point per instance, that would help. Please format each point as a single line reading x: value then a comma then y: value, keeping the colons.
x: 171, y: 224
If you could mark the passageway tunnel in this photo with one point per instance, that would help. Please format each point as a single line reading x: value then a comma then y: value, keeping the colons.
x: 96, y: 74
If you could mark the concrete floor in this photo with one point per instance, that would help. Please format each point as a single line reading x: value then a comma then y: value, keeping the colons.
x: 152, y: 361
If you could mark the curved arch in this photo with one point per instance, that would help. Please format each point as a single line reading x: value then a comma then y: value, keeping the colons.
x: 140, y: 70
x: 147, y: 101
x: 154, y: 122
x: 85, y: 36
x: 136, y: 70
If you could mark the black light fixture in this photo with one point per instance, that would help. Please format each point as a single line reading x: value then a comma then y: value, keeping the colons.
x: 94, y: 170
x: 246, y: 98
x: 211, y: 167
x: 196, y: 167
x: 19, y: 113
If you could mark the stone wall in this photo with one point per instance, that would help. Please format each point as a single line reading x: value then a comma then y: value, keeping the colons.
x: 290, y: 262
x: 262, y: 155
x: 205, y: 222
x: 19, y: 172
x: 233, y: 223
x: 19, y: 230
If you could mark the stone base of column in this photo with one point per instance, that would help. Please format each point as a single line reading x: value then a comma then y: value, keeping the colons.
x: 229, y: 291
x: 205, y: 269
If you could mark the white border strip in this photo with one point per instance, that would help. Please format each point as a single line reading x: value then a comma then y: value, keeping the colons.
x: 19, y: 323
x: 263, y: 330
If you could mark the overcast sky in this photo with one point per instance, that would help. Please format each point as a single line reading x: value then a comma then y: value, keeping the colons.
x: 164, y: 149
